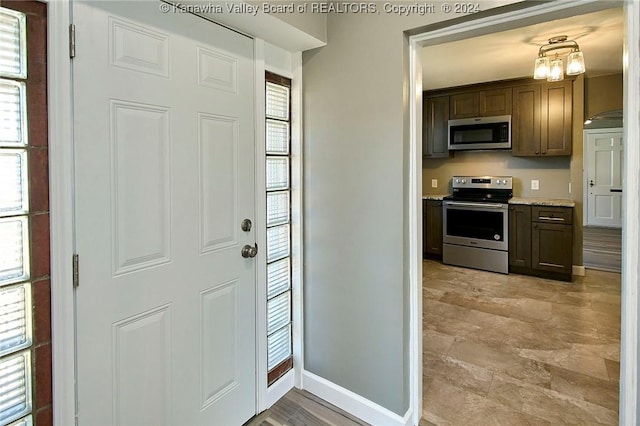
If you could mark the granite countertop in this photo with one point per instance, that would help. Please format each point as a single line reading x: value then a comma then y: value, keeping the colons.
x: 435, y: 197
x: 555, y: 202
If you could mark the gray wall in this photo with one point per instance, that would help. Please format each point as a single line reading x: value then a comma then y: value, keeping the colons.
x: 602, y: 93
x: 355, y: 291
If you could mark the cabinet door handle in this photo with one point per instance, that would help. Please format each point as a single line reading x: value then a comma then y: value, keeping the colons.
x: 557, y: 219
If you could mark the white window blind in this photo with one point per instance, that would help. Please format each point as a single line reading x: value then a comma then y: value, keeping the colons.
x: 278, y: 206
x: 278, y: 175
x: 13, y: 182
x: 15, y: 318
x: 13, y: 58
x: 278, y: 347
x: 15, y: 294
x: 13, y: 110
x: 277, y: 137
x: 278, y: 277
x: 279, y: 309
x: 14, y: 251
x: 15, y: 386
x: 277, y: 101
x: 278, y: 242
x: 25, y: 421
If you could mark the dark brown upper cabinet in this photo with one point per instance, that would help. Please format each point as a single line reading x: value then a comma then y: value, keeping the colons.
x: 541, y: 123
x: 557, y: 118
x: 481, y: 104
x: 434, y: 126
x: 541, y: 114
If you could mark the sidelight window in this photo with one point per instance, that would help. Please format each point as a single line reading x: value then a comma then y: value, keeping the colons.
x: 15, y: 288
x: 278, y: 184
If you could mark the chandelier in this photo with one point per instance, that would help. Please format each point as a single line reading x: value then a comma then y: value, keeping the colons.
x: 552, y: 69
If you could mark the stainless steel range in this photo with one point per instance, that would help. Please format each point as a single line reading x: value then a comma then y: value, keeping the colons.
x: 476, y: 223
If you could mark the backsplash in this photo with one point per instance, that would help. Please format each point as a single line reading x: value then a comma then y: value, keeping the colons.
x: 553, y: 173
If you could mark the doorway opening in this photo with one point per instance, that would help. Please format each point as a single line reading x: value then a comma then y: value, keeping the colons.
x: 515, y: 17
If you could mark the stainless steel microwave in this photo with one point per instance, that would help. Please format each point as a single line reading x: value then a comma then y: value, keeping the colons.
x: 480, y: 133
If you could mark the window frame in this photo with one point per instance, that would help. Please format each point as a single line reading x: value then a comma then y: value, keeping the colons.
x: 284, y: 366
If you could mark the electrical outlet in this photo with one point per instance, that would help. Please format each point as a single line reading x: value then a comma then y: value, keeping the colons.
x: 535, y: 184
x: 569, y: 187
x: 434, y: 183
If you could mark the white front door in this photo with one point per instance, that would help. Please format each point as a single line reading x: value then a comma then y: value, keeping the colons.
x: 164, y: 166
x: 603, y: 157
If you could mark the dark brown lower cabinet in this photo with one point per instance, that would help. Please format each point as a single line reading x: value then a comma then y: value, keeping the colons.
x: 551, y: 244
x: 520, y: 236
x: 541, y: 241
x: 431, y: 229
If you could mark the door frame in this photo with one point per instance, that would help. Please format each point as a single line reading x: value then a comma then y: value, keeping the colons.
x: 585, y: 168
x: 494, y: 21
x: 61, y: 181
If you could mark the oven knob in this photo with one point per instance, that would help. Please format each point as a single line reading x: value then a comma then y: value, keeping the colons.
x: 457, y: 180
x: 464, y: 181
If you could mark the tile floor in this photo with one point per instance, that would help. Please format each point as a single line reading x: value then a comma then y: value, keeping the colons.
x: 503, y: 350
x: 517, y: 350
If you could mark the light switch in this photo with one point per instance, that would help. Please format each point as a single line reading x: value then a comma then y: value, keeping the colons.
x: 535, y: 184
x: 434, y: 183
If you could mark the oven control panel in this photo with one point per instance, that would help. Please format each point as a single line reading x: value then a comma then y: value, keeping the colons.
x: 483, y: 182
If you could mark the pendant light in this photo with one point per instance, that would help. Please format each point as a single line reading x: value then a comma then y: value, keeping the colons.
x: 553, y: 70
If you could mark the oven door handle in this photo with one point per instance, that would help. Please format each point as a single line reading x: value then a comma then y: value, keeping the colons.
x: 482, y: 205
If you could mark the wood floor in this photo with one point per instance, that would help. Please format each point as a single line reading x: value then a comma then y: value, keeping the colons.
x: 298, y: 408
x: 503, y: 350
x: 602, y: 248
x: 517, y: 350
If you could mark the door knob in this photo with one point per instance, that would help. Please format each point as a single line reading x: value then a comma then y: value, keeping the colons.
x: 248, y: 251
x: 591, y: 182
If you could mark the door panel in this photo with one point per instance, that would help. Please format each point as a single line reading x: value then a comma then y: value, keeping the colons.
x: 164, y: 151
x: 604, y: 152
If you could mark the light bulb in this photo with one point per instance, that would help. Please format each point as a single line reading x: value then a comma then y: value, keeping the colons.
x: 541, y: 69
x: 556, y: 72
x: 575, y: 63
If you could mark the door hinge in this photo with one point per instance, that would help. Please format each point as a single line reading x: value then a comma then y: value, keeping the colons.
x: 76, y: 273
x: 72, y: 41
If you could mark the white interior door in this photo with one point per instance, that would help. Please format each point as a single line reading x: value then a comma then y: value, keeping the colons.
x: 604, y: 151
x: 164, y: 154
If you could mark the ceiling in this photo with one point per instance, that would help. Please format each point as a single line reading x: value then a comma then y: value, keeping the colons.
x: 511, y: 54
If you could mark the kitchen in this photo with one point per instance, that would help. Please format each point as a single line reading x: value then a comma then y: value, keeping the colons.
x: 598, y: 90
x: 524, y: 206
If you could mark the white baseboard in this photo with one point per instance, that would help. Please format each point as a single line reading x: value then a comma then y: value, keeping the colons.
x: 579, y: 271
x: 277, y: 390
x: 353, y: 403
